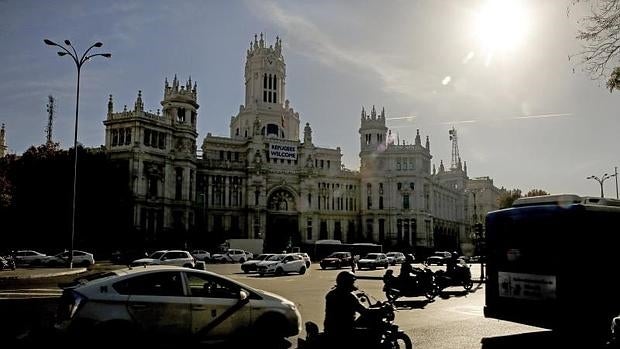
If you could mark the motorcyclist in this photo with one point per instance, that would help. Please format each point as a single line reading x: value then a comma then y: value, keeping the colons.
x: 341, y: 305
x: 407, y: 275
x: 451, y: 263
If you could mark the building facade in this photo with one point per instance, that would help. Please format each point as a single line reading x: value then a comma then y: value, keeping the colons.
x: 268, y: 181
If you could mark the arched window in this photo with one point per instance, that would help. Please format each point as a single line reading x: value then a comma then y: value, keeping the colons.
x: 270, y: 82
x: 273, y: 129
x: 275, y: 83
x: 265, y: 81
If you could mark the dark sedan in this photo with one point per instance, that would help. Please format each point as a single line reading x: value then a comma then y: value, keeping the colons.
x: 337, y: 260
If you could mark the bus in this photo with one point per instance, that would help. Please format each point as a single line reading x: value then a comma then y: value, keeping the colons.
x: 552, y: 261
x: 323, y: 248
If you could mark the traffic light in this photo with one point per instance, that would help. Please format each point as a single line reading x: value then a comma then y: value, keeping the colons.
x: 478, y: 228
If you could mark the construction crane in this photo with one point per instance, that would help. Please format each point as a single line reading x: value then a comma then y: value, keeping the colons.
x: 51, y: 105
x: 456, y: 158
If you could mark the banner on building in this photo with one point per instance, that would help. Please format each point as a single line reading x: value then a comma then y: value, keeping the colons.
x: 281, y: 151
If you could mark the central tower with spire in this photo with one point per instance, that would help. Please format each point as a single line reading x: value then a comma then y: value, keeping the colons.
x: 265, y: 94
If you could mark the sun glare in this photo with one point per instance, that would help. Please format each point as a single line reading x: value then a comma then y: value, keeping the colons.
x: 501, y: 25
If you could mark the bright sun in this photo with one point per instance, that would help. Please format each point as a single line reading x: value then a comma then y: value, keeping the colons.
x: 501, y: 25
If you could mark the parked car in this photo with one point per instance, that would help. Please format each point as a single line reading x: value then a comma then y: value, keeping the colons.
x: 395, y: 257
x: 306, y: 258
x: 233, y: 255
x: 337, y: 260
x: 201, y: 255
x: 251, y: 265
x: 29, y: 257
x: 80, y: 258
x: 167, y: 257
x: 373, y: 261
x: 439, y: 258
x: 282, y: 263
x: 167, y: 303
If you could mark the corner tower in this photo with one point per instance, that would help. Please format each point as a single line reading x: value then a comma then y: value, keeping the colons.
x: 372, y: 132
x: 265, y: 94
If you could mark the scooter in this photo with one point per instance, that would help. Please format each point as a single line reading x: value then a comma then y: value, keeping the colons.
x: 459, y: 276
x: 377, y: 328
x: 421, y: 284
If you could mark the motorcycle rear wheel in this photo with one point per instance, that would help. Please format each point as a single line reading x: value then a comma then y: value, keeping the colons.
x: 467, y: 285
x: 401, y: 341
x: 432, y: 293
x: 391, y: 295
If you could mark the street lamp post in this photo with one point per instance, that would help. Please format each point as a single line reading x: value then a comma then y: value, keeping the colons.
x: 601, y: 180
x: 477, y: 227
x: 79, y: 61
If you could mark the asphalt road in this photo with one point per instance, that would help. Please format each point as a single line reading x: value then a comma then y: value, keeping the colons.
x: 454, y: 320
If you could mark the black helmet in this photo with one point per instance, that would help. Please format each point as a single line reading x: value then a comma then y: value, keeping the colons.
x: 409, y: 258
x: 345, y: 279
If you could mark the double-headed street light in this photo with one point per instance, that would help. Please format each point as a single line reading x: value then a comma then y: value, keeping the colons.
x: 601, y: 180
x: 79, y: 61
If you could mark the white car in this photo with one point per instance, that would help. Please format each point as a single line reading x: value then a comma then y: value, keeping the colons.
x: 280, y: 264
x: 162, y: 303
x: 306, y: 258
x: 29, y: 257
x: 167, y: 257
x: 251, y: 265
x: 201, y: 255
x: 80, y: 258
x: 395, y: 258
x: 233, y: 255
x: 373, y: 261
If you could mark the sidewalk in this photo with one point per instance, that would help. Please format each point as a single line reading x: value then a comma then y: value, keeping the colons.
x: 36, y: 273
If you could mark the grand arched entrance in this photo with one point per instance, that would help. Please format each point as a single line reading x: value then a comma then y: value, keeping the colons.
x: 282, y: 221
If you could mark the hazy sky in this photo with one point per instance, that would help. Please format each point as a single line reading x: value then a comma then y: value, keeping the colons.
x: 526, y: 116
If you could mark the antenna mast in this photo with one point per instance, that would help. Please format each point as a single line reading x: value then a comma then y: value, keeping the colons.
x: 455, y: 149
x: 51, y: 105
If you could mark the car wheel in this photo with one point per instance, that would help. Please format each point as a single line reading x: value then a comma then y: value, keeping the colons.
x: 269, y: 331
x: 338, y: 266
x: 307, y: 264
x: 85, y: 264
x: 261, y: 273
x: 323, y: 267
x: 109, y: 332
x: 302, y: 270
x: 242, y: 260
x: 385, y: 266
x: 246, y: 271
x: 279, y: 271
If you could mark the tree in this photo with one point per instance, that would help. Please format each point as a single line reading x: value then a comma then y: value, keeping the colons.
x: 601, y: 48
x: 508, y: 197
x: 536, y: 192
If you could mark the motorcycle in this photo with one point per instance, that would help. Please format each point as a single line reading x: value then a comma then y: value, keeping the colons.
x: 422, y: 284
x: 459, y: 276
x: 7, y: 263
x: 376, y: 328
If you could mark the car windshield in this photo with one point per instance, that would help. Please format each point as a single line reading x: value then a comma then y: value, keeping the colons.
x: 392, y: 254
x: 336, y: 255
x: 156, y: 255
x: 276, y: 257
x: 372, y: 256
x: 262, y: 257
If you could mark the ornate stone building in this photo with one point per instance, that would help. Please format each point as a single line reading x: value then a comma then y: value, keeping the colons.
x: 266, y: 181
